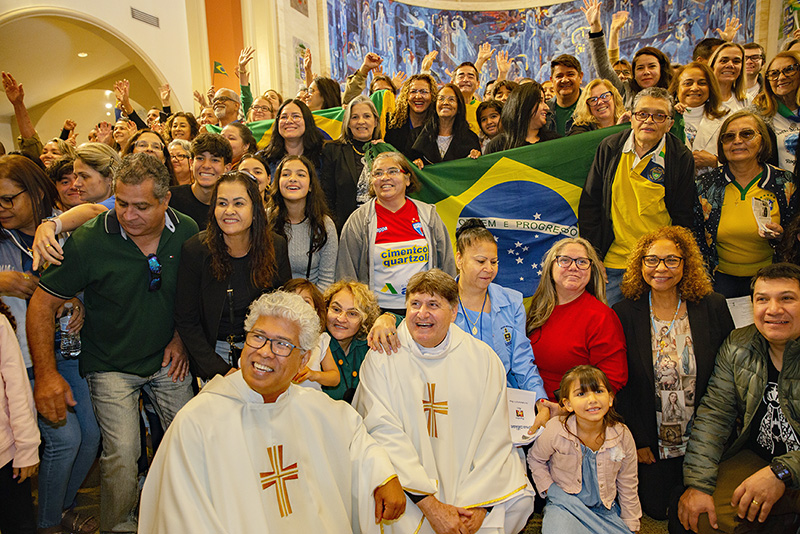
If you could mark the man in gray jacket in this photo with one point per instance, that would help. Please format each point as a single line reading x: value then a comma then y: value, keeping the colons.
x: 755, y: 382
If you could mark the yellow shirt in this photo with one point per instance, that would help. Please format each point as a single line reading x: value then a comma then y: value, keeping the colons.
x: 741, y: 250
x: 637, y: 206
x: 472, y: 119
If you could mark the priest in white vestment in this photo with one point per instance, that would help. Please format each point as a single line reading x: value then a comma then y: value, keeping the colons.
x: 255, y: 453
x: 438, y: 407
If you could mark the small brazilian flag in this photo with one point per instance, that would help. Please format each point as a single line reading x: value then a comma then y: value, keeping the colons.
x: 219, y: 69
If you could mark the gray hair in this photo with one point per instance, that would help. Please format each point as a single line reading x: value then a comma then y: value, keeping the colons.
x: 183, y: 144
x: 347, y: 135
x: 656, y: 92
x: 289, y: 306
x: 100, y: 157
x: 136, y: 168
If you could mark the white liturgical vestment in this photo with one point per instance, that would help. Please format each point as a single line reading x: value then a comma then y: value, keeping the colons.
x: 442, y: 416
x: 230, y: 463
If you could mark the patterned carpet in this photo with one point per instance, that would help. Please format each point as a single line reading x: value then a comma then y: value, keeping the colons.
x: 649, y: 526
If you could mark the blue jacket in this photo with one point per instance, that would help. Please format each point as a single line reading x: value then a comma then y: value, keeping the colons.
x: 509, y: 340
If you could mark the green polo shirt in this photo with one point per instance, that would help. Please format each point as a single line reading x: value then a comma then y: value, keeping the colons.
x: 126, y: 326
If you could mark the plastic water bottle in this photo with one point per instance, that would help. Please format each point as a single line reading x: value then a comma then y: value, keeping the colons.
x: 70, y: 343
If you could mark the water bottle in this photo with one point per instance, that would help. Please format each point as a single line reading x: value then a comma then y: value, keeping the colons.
x: 70, y: 343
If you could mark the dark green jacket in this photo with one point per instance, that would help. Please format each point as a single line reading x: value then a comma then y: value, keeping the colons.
x: 734, y: 392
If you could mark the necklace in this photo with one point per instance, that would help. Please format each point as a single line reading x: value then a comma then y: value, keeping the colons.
x: 477, y: 319
x: 357, y: 152
x: 662, y: 341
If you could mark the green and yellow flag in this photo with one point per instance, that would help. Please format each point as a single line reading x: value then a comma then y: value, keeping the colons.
x: 329, y: 121
x: 219, y: 69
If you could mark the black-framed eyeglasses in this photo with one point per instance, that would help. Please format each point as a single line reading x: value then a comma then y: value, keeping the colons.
x: 745, y: 135
x: 277, y: 346
x: 593, y: 101
x: 154, y: 267
x: 670, y: 262
x: 789, y: 71
x: 581, y: 263
x: 178, y: 157
x: 7, y: 202
x: 658, y: 118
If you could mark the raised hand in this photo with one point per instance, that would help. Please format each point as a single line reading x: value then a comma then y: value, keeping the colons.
x: 427, y: 61
x: 618, y: 20
x: 69, y: 125
x: 200, y: 98
x: 731, y: 28
x: 164, y: 92
x: 485, y: 52
x: 503, y: 65
x: 245, y: 56
x: 13, y: 90
x: 591, y: 9
x: 398, y: 78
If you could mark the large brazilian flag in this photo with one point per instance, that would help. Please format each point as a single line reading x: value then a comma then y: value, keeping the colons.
x: 527, y: 197
x: 329, y: 121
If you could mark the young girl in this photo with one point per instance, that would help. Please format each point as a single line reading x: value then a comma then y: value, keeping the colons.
x: 19, y: 434
x: 319, y: 370
x: 589, y: 441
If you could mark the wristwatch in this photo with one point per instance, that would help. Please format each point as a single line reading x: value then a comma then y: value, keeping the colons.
x: 780, y: 470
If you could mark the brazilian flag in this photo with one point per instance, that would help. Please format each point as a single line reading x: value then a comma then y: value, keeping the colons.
x: 527, y: 197
x: 329, y: 121
x: 219, y: 69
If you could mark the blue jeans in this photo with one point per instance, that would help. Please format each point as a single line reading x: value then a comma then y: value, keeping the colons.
x: 115, y: 397
x: 565, y: 513
x: 70, y: 448
x: 613, y: 292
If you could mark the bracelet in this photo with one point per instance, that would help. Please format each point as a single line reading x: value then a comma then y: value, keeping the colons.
x: 55, y: 220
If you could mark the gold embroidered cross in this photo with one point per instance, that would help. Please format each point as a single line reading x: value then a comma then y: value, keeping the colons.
x: 431, y: 407
x: 278, y: 477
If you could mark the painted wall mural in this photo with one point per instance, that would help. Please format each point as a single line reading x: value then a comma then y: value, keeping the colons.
x: 403, y: 34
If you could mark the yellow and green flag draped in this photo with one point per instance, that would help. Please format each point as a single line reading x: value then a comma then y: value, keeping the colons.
x: 329, y: 121
x: 527, y: 197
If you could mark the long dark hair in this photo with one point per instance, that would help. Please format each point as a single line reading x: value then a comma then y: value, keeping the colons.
x: 312, y: 139
x: 665, y: 69
x: 460, y: 121
x: 30, y: 177
x: 516, y: 116
x: 262, y: 251
x: 167, y: 157
x: 330, y: 91
x: 316, y: 208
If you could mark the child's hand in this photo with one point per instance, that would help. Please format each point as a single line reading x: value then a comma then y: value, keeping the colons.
x: 302, y: 375
x: 23, y: 473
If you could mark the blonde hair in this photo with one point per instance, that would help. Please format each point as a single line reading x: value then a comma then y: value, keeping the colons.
x: 545, y: 299
x: 583, y: 113
x: 739, y: 88
x: 766, y: 101
x: 363, y: 298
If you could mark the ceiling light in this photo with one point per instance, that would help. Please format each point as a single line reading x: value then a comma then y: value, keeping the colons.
x: 108, y: 113
x: 108, y: 106
x: 109, y: 92
x: 82, y: 54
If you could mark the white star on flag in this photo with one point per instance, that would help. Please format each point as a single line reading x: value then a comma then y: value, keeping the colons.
x: 537, y: 216
x: 511, y: 251
x: 518, y: 244
x: 519, y: 260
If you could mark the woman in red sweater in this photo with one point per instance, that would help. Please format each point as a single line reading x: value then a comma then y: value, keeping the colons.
x: 569, y: 322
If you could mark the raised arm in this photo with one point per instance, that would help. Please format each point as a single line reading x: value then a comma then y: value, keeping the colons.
x: 618, y: 20
x: 485, y: 52
x: 16, y: 95
x: 597, y: 45
x: 245, y: 56
x: 357, y: 81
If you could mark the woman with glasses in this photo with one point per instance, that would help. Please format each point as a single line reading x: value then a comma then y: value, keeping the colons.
x: 392, y: 237
x: 487, y: 311
x: 180, y: 155
x: 342, y: 174
x: 446, y: 136
x: 241, y: 139
x: 182, y: 125
x: 569, y: 322
x: 27, y: 198
x: 323, y: 93
x: 152, y: 143
x: 293, y: 133
x: 779, y: 103
x: 297, y: 211
x: 599, y: 106
x: 745, y: 205
x: 523, y: 119
x: 261, y: 110
x: 222, y: 270
x: 351, y: 311
x: 673, y: 323
x: 412, y: 110
x: 727, y: 63
x: 697, y: 92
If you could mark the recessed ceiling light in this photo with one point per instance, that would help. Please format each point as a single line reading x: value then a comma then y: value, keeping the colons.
x: 109, y: 92
x: 82, y: 54
x: 108, y: 113
x: 108, y: 106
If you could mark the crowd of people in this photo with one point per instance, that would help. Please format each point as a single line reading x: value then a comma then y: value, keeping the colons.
x: 215, y: 283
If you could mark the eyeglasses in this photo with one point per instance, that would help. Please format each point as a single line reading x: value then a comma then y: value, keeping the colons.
x: 144, y: 145
x: 623, y: 72
x: 745, y: 135
x: 790, y: 71
x: 670, y: 262
x: 420, y: 92
x: 178, y: 157
x: 595, y: 99
x: 278, y: 347
x: 658, y: 118
x: 394, y: 172
x: 581, y: 263
x: 755, y: 58
x: 446, y: 99
x: 261, y: 109
x: 295, y: 117
x: 351, y: 314
x: 154, y: 266
x: 7, y: 202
